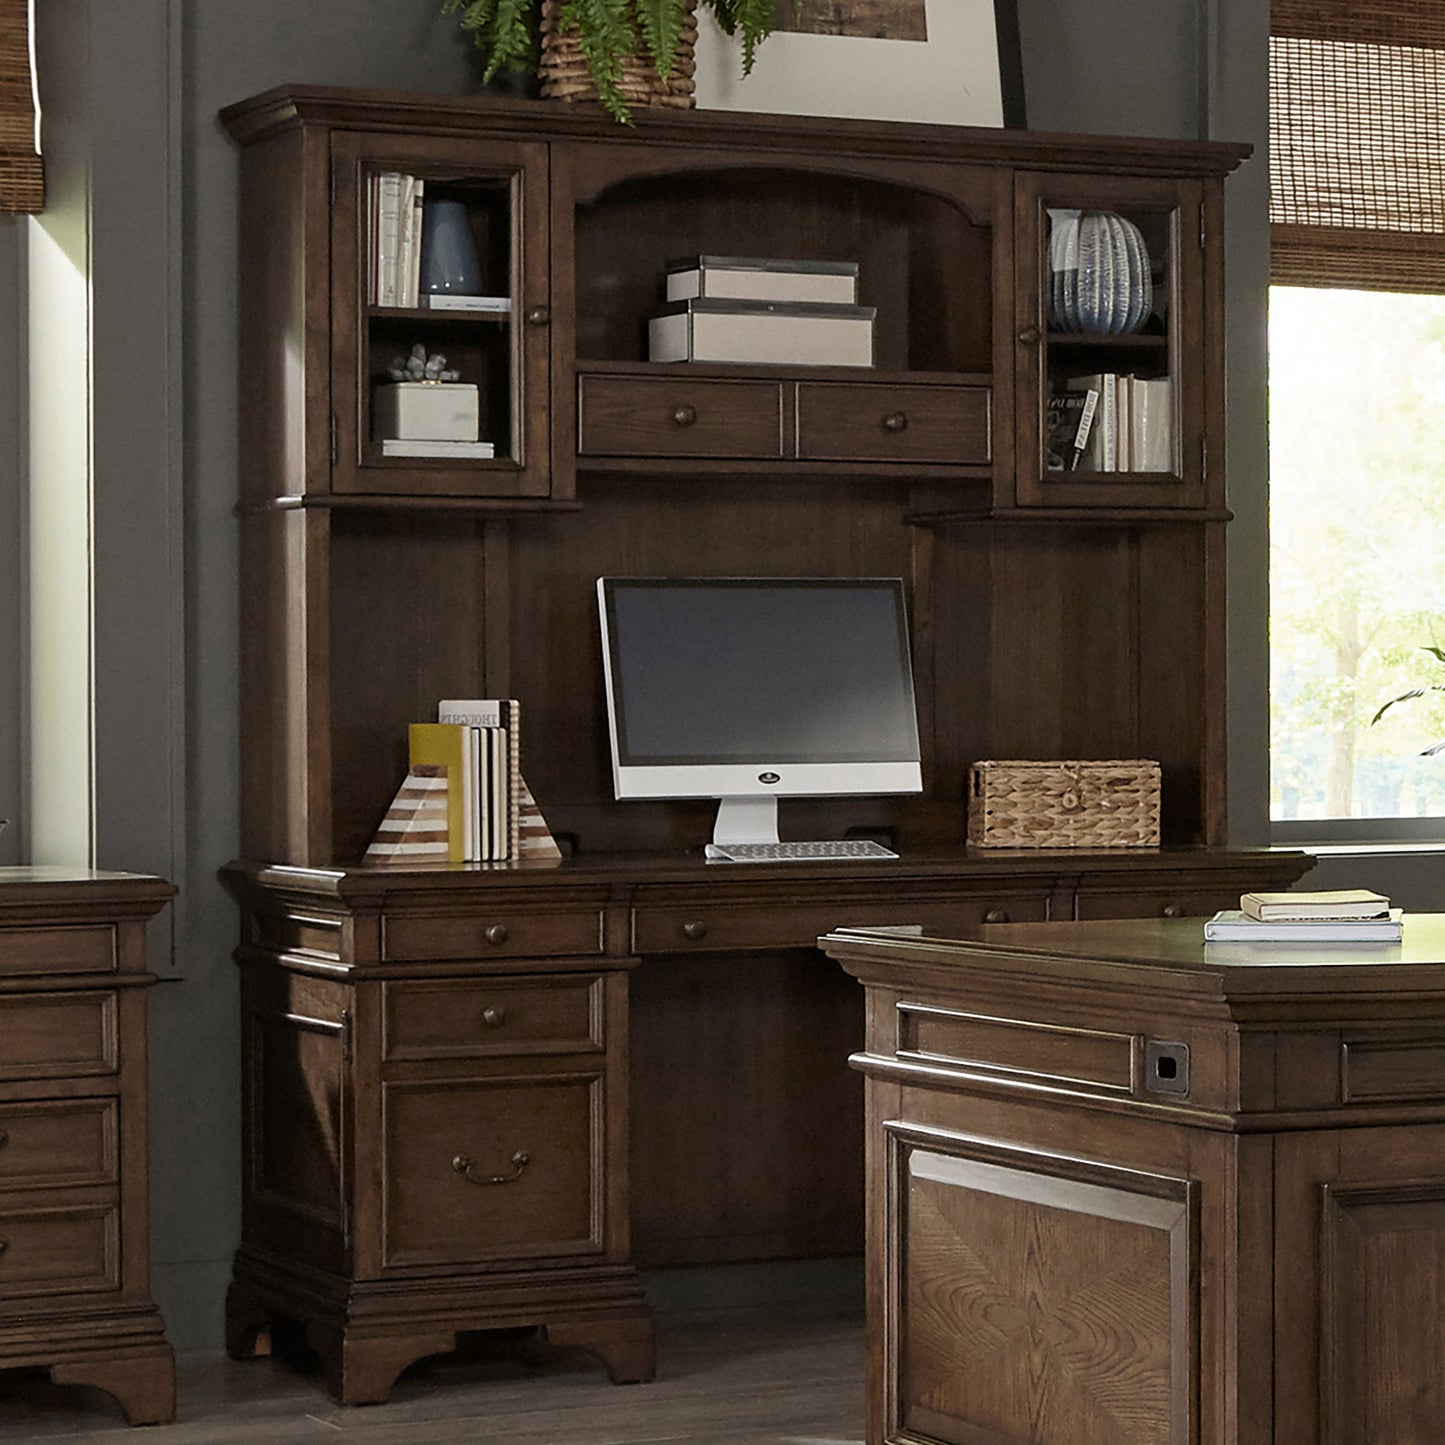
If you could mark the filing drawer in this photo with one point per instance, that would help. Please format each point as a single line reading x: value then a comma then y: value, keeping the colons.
x: 448, y: 1018
x: 682, y: 417
x: 56, y: 1143
x: 57, y: 950
x: 505, y: 933
x: 56, y: 1251
x: 50, y: 1035
x: 477, y: 1171
x: 676, y: 930
x: 842, y: 421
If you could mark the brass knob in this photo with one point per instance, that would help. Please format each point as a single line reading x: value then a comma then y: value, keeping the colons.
x: 539, y: 315
x: 996, y: 915
x: 1030, y: 335
x: 896, y: 421
x: 695, y: 929
x: 1173, y: 910
x: 494, y: 1018
x: 497, y: 933
x: 685, y: 415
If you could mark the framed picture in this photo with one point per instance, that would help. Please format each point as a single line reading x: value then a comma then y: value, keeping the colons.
x: 954, y: 62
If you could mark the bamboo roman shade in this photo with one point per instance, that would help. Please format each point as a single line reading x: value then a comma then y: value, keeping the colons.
x: 22, y: 181
x: 1357, y: 144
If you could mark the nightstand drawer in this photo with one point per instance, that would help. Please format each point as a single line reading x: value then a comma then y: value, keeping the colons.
x: 56, y: 1251
x: 843, y: 421
x: 446, y: 1018
x: 56, y: 1143
x: 477, y: 1171
x: 687, y: 416
x: 51, y: 1035
x: 501, y: 934
x: 57, y: 950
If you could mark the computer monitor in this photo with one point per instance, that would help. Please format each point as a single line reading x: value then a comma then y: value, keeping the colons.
x: 746, y: 689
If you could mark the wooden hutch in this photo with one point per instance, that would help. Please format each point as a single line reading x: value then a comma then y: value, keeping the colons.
x: 658, y: 1041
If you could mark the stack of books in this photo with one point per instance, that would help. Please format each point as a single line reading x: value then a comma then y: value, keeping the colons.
x: 764, y: 312
x: 1131, y: 424
x: 1351, y: 915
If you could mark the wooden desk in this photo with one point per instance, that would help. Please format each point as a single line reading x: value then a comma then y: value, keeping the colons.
x: 1126, y: 1186
x: 660, y: 1038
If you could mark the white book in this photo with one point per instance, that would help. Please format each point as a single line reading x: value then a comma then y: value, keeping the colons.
x: 763, y: 333
x: 388, y: 211
x: 1151, y: 424
x: 450, y: 301
x: 1300, y: 903
x: 411, y: 272
x: 1232, y: 925
x: 762, y: 279
x: 412, y: 447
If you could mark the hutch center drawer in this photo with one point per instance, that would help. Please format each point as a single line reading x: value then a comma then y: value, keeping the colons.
x: 54, y: 1143
x: 57, y: 950
x: 687, y: 417
x: 479, y: 1170
x: 58, y: 1034
x: 450, y: 1018
x: 55, y: 1251
x: 842, y: 421
x: 1166, y: 903
x: 499, y: 933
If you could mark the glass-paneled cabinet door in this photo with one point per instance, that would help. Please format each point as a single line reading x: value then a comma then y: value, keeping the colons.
x: 440, y: 316
x: 1114, y: 345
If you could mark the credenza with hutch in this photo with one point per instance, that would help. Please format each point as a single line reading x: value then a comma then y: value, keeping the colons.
x: 481, y: 1096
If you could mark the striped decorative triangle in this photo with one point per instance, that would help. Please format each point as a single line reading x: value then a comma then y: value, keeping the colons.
x: 535, y: 843
x: 415, y: 827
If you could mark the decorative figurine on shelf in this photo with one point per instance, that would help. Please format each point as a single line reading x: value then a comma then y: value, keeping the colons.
x: 421, y: 367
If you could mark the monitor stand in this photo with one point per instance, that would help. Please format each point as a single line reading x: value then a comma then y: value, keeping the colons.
x: 746, y: 820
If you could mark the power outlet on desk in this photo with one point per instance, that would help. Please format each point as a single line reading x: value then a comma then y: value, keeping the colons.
x: 1166, y: 1067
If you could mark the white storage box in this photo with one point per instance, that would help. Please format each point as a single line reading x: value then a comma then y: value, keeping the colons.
x: 763, y: 332
x: 434, y: 411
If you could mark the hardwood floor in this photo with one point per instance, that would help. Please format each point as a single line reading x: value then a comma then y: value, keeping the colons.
x: 757, y: 1380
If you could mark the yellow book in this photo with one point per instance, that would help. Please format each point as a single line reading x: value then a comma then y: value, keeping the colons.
x: 447, y: 745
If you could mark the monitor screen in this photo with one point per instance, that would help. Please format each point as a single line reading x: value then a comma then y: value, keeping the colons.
x: 726, y: 687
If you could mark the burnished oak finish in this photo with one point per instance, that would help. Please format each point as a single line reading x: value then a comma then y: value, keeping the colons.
x: 74, y: 1228
x: 1126, y: 1186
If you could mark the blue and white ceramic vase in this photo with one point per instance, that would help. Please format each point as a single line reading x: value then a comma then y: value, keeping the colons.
x: 1099, y: 279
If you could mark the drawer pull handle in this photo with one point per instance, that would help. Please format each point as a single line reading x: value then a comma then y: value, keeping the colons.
x: 996, y: 915
x: 684, y: 416
x: 1030, y: 335
x: 896, y: 421
x: 4, y: 1137
x: 695, y: 930
x: 494, y: 1018
x: 464, y: 1164
x: 1173, y: 910
x: 4, y: 1245
x: 539, y: 316
x: 497, y: 933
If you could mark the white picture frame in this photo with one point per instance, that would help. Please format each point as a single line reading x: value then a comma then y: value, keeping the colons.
x: 955, y: 77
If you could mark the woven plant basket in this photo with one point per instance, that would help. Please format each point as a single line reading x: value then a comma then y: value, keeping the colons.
x: 1070, y: 804
x: 564, y: 74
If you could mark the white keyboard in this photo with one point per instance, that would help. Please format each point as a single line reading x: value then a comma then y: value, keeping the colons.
x: 846, y: 848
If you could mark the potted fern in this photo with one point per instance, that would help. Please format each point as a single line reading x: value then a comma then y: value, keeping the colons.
x: 621, y: 52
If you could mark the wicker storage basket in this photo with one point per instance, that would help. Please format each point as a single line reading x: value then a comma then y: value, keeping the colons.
x: 564, y: 74
x: 1112, y: 803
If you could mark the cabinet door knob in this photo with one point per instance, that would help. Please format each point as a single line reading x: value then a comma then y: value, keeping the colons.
x: 896, y: 421
x: 996, y: 915
x: 1030, y: 335
x: 494, y: 1018
x: 695, y: 929
x: 538, y: 315
x: 684, y: 416
x: 464, y: 1164
x: 1173, y: 910
x: 497, y: 933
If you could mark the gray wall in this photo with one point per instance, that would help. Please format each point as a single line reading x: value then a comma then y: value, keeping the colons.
x: 165, y: 463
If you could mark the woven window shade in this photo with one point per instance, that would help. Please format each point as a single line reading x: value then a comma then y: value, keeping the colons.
x: 1357, y: 144
x: 22, y: 180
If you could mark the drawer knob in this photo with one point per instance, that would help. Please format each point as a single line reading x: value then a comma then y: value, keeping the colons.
x: 464, y: 1164
x: 539, y: 315
x: 497, y: 933
x: 4, y: 1245
x: 494, y: 1018
x: 1173, y: 910
x: 4, y: 1137
x: 1030, y: 335
x: 684, y: 415
x: 996, y: 915
x: 896, y: 421
x: 695, y: 929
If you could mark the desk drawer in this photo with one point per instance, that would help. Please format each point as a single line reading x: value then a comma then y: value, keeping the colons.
x: 55, y: 1251
x: 680, y: 930
x: 477, y: 1171
x: 57, y: 950
x: 501, y: 934
x: 57, y: 1143
x: 51, y: 1035
x: 843, y: 421
x: 1165, y: 903
x: 683, y: 417
x: 447, y: 1018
